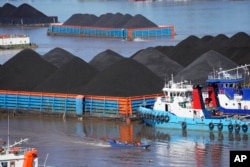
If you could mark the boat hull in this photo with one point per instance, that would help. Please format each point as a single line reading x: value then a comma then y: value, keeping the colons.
x: 171, y: 121
x: 113, y: 143
x: 245, y: 113
x: 10, y: 47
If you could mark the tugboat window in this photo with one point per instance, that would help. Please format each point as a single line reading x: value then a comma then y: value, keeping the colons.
x: 239, y: 105
x: 166, y: 107
x: 4, y: 164
x: 12, y: 164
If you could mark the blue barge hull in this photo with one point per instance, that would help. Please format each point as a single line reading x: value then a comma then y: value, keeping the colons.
x: 129, y: 34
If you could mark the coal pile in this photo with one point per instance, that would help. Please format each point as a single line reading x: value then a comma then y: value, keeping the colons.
x: 220, y: 41
x: 240, y: 39
x: 23, y: 14
x: 73, y: 74
x: 236, y: 48
x: 24, y: 71
x: 105, y: 59
x: 124, y: 78
x: 110, y: 74
x: 197, y: 72
x: 200, y: 56
x: 81, y: 20
x: 110, y: 20
x: 139, y: 21
x: 58, y: 57
x: 6, y: 10
x: 122, y: 21
x: 188, y: 50
x: 113, y: 21
x: 26, y: 10
x: 157, y: 62
x: 103, y: 19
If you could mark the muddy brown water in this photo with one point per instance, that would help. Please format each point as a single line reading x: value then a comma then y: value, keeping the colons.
x: 74, y: 143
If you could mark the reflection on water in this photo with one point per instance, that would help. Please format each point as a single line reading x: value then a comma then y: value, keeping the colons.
x: 206, y: 148
x: 74, y: 143
x: 164, y: 135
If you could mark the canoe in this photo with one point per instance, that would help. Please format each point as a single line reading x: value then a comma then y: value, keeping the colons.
x: 115, y: 143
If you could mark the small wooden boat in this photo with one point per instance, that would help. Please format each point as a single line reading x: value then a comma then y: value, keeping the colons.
x: 115, y: 143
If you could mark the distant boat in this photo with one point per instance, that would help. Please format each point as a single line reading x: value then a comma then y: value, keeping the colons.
x: 14, y: 41
x: 182, y: 107
x: 233, y: 91
x: 115, y: 143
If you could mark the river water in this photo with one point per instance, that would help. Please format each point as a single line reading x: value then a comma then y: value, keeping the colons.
x: 73, y: 143
x: 189, y: 17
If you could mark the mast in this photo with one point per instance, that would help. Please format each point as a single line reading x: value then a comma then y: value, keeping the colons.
x: 8, y: 137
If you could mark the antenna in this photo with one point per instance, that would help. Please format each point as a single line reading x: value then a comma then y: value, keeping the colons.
x: 46, y: 160
x: 8, y: 139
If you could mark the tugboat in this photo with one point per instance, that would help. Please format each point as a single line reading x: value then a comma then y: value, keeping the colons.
x: 233, y: 91
x: 15, y: 41
x: 16, y: 156
x: 13, y: 155
x: 182, y: 107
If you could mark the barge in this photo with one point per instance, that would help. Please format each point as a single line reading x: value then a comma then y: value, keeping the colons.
x: 124, y: 33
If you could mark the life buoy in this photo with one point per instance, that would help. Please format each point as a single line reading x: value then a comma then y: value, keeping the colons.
x: 220, y: 126
x: 211, y: 126
x: 237, y: 128
x: 151, y: 116
x: 166, y: 119
x: 244, y: 128
x: 184, y: 125
x: 148, y: 116
x: 161, y: 118
x: 230, y: 127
